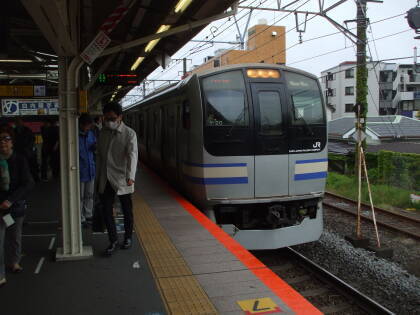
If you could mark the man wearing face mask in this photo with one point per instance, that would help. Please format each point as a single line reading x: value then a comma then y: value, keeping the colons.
x: 116, y: 169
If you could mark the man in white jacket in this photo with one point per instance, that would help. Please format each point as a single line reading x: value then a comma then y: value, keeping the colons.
x: 116, y: 171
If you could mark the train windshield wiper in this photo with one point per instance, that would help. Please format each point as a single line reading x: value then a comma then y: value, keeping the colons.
x: 300, y: 117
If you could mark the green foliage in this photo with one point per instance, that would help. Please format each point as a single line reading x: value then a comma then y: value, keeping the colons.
x: 385, y: 167
x: 384, y: 196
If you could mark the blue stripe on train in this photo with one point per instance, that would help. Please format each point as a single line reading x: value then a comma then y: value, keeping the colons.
x: 218, y: 180
x: 306, y: 176
x: 215, y: 165
x: 311, y: 161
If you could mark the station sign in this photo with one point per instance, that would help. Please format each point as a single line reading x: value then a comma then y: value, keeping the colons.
x: 115, y: 79
x: 29, y: 107
x: 95, y: 48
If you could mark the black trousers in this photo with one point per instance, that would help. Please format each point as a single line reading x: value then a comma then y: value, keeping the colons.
x: 107, y: 199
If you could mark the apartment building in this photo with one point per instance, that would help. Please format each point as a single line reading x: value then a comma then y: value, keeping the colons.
x: 339, y: 86
x: 392, y: 89
x: 400, y: 89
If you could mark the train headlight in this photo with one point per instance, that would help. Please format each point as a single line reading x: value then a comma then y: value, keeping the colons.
x: 263, y: 73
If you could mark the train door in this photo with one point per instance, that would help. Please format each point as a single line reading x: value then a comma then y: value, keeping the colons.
x: 178, y: 141
x: 163, y: 137
x: 271, y: 147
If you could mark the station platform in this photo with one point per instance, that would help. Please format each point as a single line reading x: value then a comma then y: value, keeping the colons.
x: 180, y: 263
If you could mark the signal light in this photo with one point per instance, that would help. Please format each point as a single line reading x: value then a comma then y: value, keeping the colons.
x: 263, y: 73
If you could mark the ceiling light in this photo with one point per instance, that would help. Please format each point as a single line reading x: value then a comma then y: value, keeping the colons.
x: 119, y: 87
x: 137, y: 63
x: 16, y: 60
x: 153, y: 43
x: 182, y: 5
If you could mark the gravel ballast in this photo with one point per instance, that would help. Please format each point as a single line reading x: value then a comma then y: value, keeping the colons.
x: 384, y: 281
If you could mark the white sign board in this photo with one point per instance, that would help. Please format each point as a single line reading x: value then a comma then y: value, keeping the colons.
x: 16, y: 107
x: 358, y: 138
x: 95, y: 48
x: 39, y: 90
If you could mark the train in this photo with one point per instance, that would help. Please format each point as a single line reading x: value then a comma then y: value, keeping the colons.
x: 247, y: 144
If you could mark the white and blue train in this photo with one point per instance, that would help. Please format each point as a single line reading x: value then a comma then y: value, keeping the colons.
x: 247, y: 144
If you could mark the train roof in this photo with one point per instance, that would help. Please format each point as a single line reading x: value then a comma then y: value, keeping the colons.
x: 181, y: 83
x: 254, y: 65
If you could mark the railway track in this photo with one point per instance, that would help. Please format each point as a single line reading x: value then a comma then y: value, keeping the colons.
x: 403, y: 223
x: 324, y: 290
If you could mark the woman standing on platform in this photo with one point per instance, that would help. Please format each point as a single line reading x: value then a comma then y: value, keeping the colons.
x: 15, y: 183
x: 87, y: 148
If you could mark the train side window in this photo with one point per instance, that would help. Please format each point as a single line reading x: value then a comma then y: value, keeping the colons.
x: 155, y: 125
x: 186, y: 115
x: 141, y: 126
x: 225, y: 100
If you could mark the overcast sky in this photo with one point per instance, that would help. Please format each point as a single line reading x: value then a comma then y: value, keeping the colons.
x: 392, y: 37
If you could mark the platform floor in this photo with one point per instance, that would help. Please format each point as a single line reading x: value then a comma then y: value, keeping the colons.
x: 182, y: 263
x: 121, y: 284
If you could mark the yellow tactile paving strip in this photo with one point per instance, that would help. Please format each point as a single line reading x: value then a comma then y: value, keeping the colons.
x: 180, y: 290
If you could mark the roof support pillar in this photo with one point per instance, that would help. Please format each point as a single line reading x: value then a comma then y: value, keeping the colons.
x: 72, y: 247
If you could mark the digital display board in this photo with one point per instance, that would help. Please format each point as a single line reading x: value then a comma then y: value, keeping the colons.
x: 123, y: 79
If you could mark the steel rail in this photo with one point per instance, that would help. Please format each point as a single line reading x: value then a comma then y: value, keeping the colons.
x: 404, y: 216
x: 379, y: 221
x: 360, y: 299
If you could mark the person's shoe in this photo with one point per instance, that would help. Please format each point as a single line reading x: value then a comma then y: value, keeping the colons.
x: 127, y: 244
x: 111, y: 248
x: 16, y: 268
x: 2, y: 282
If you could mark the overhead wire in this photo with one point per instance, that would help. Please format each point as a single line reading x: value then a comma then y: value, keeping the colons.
x: 316, y: 38
x: 276, y: 21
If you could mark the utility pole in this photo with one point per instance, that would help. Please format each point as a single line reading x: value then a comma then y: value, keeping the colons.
x: 362, y: 75
x: 184, y: 67
x: 361, y: 107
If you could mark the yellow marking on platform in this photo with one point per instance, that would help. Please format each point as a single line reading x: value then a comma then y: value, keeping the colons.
x: 259, y: 306
x: 180, y: 290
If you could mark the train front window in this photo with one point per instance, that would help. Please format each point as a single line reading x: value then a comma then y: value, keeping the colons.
x: 306, y: 100
x: 225, y: 100
x: 270, y: 113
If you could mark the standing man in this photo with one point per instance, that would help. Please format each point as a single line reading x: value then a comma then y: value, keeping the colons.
x: 116, y: 170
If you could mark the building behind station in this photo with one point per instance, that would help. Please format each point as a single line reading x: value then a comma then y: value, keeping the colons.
x: 265, y: 44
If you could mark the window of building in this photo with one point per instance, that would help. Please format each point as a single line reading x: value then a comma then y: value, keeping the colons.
x: 407, y: 105
x: 216, y: 63
x: 349, y: 90
x: 350, y: 73
x: 330, y: 76
x: 385, y: 95
x: 330, y: 92
x: 349, y: 108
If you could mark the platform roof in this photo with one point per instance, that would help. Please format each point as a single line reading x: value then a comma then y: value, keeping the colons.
x: 41, y: 30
